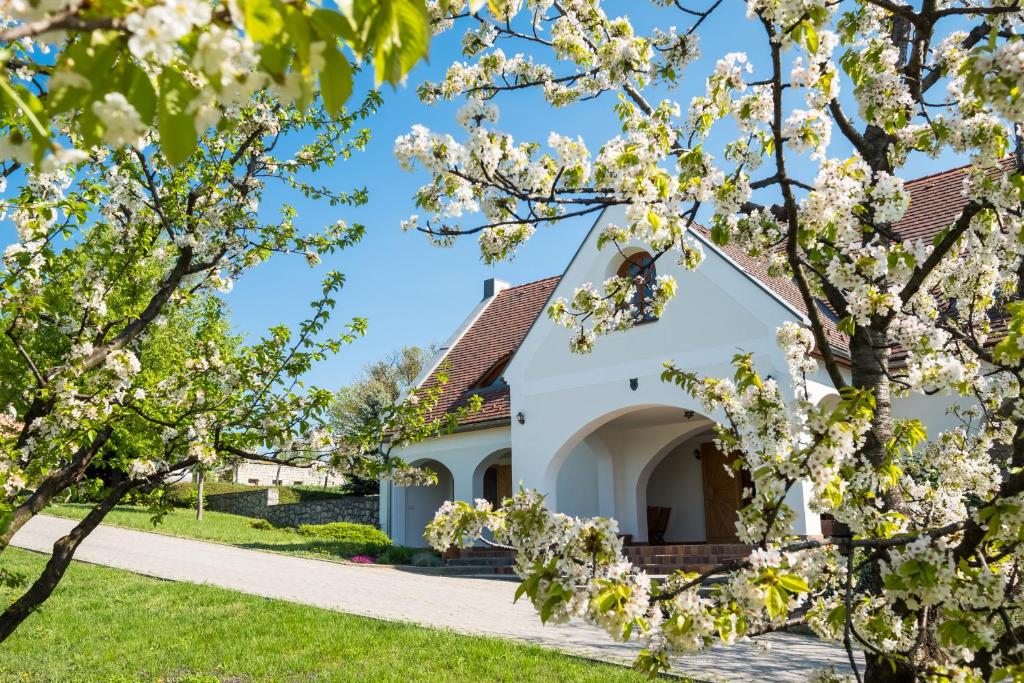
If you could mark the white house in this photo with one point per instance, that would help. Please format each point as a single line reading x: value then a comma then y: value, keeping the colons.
x: 601, y: 434
x: 274, y: 474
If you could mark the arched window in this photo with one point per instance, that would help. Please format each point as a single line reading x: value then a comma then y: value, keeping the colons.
x: 493, y: 376
x: 639, y: 268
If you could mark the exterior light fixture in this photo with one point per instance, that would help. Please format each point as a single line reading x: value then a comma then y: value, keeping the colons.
x: 634, y: 383
x: 520, y: 418
x: 688, y: 414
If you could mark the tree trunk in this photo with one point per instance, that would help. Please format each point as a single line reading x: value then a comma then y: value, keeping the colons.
x: 63, y: 551
x: 869, y: 356
x: 200, y: 480
x: 53, y: 484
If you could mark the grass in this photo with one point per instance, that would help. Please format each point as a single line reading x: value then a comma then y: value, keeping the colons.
x: 216, y: 526
x: 109, y: 625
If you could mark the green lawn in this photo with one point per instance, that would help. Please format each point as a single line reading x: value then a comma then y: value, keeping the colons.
x: 110, y: 625
x: 216, y: 526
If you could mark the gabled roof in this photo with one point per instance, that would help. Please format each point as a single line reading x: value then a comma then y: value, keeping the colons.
x: 495, y: 334
x: 935, y: 201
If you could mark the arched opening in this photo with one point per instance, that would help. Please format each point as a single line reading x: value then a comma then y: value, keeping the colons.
x: 605, y: 470
x: 585, y: 482
x: 492, y: 479
x: 675, y: 485
x: 422, y: 502
x: 640, y: 269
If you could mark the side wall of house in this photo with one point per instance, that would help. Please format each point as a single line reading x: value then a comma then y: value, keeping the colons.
x: 459, y: 460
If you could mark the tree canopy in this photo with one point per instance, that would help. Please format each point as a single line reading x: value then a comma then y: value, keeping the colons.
x: 796, y: 156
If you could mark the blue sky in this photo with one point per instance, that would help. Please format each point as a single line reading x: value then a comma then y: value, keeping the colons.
x: 413, y: 292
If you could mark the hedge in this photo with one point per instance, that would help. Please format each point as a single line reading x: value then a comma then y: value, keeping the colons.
x: 185, y: 494
x: 349, y: 538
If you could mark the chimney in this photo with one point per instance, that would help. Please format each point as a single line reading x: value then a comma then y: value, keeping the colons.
x: 492, y: 286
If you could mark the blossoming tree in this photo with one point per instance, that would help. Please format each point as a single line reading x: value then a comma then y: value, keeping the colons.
x: 929, y: 583
x: 142, y: 139
x: 87, y: 72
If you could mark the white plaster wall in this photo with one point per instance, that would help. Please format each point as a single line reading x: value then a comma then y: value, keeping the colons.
x: 421, y: 502
x: 932, y: 411
x: 678, y: 482
x: 577, y: 483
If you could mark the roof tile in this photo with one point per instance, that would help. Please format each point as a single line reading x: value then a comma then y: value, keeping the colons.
x: 496, y: 333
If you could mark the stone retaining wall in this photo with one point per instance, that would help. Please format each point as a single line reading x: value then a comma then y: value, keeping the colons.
x: 262, y: 503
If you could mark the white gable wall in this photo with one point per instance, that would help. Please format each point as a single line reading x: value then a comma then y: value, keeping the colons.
x: 564, y: 397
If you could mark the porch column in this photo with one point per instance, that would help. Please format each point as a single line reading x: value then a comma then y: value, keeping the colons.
x: 807, y: 522
x: 462, y: 476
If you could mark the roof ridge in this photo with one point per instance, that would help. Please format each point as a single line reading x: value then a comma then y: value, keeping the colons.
x: 929, y: 176
x: 949, y: 171
x: 533, y: 282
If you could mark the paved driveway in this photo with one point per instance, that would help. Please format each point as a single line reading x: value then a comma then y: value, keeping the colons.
x: 467, y: 605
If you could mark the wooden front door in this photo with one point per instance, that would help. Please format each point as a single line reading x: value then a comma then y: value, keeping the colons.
x: 721, y: 495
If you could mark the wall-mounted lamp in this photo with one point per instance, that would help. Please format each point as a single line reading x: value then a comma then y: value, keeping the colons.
x: 634, y: 383
x: 520, y: 418
x: 696, y: 453
x: 688, y: 414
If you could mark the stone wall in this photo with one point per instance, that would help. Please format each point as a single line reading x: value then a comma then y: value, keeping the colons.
x: 262, y: 503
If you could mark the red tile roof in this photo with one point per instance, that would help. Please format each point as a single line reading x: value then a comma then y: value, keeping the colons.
x: 495, y: 334
x: 935, y: 201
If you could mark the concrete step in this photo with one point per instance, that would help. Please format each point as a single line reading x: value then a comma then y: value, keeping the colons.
x: 481, y: 562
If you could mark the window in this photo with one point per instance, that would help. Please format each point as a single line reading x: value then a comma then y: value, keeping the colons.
x: 640, y: 266
x: 254, y: 482
x: 492, y: 378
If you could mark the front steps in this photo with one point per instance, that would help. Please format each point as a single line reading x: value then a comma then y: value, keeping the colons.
x: 659, y: 560
x: 656, y: 560
x: 483, y: 561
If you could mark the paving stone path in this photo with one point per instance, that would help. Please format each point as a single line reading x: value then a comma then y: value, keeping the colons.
x: 466, y: 605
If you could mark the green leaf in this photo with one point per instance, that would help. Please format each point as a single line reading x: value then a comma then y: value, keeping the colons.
x: 335, y: 80
x: 810, y: 37
x: 775, y: 601
x: 177, y: 125
x: 263, y: 20
x: 297, y: 31
x: 397, y: 31
x: 794, y: 583
x: 140, y: 92
x: 31, y: 108
x: 328, y: 23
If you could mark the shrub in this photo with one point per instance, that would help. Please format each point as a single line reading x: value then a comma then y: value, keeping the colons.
x: 186, y: 494
x: 397, y: 554
x: 426, y: 558
x: 308, y: 492
x: 259, y: 524
x: 349, y: 539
